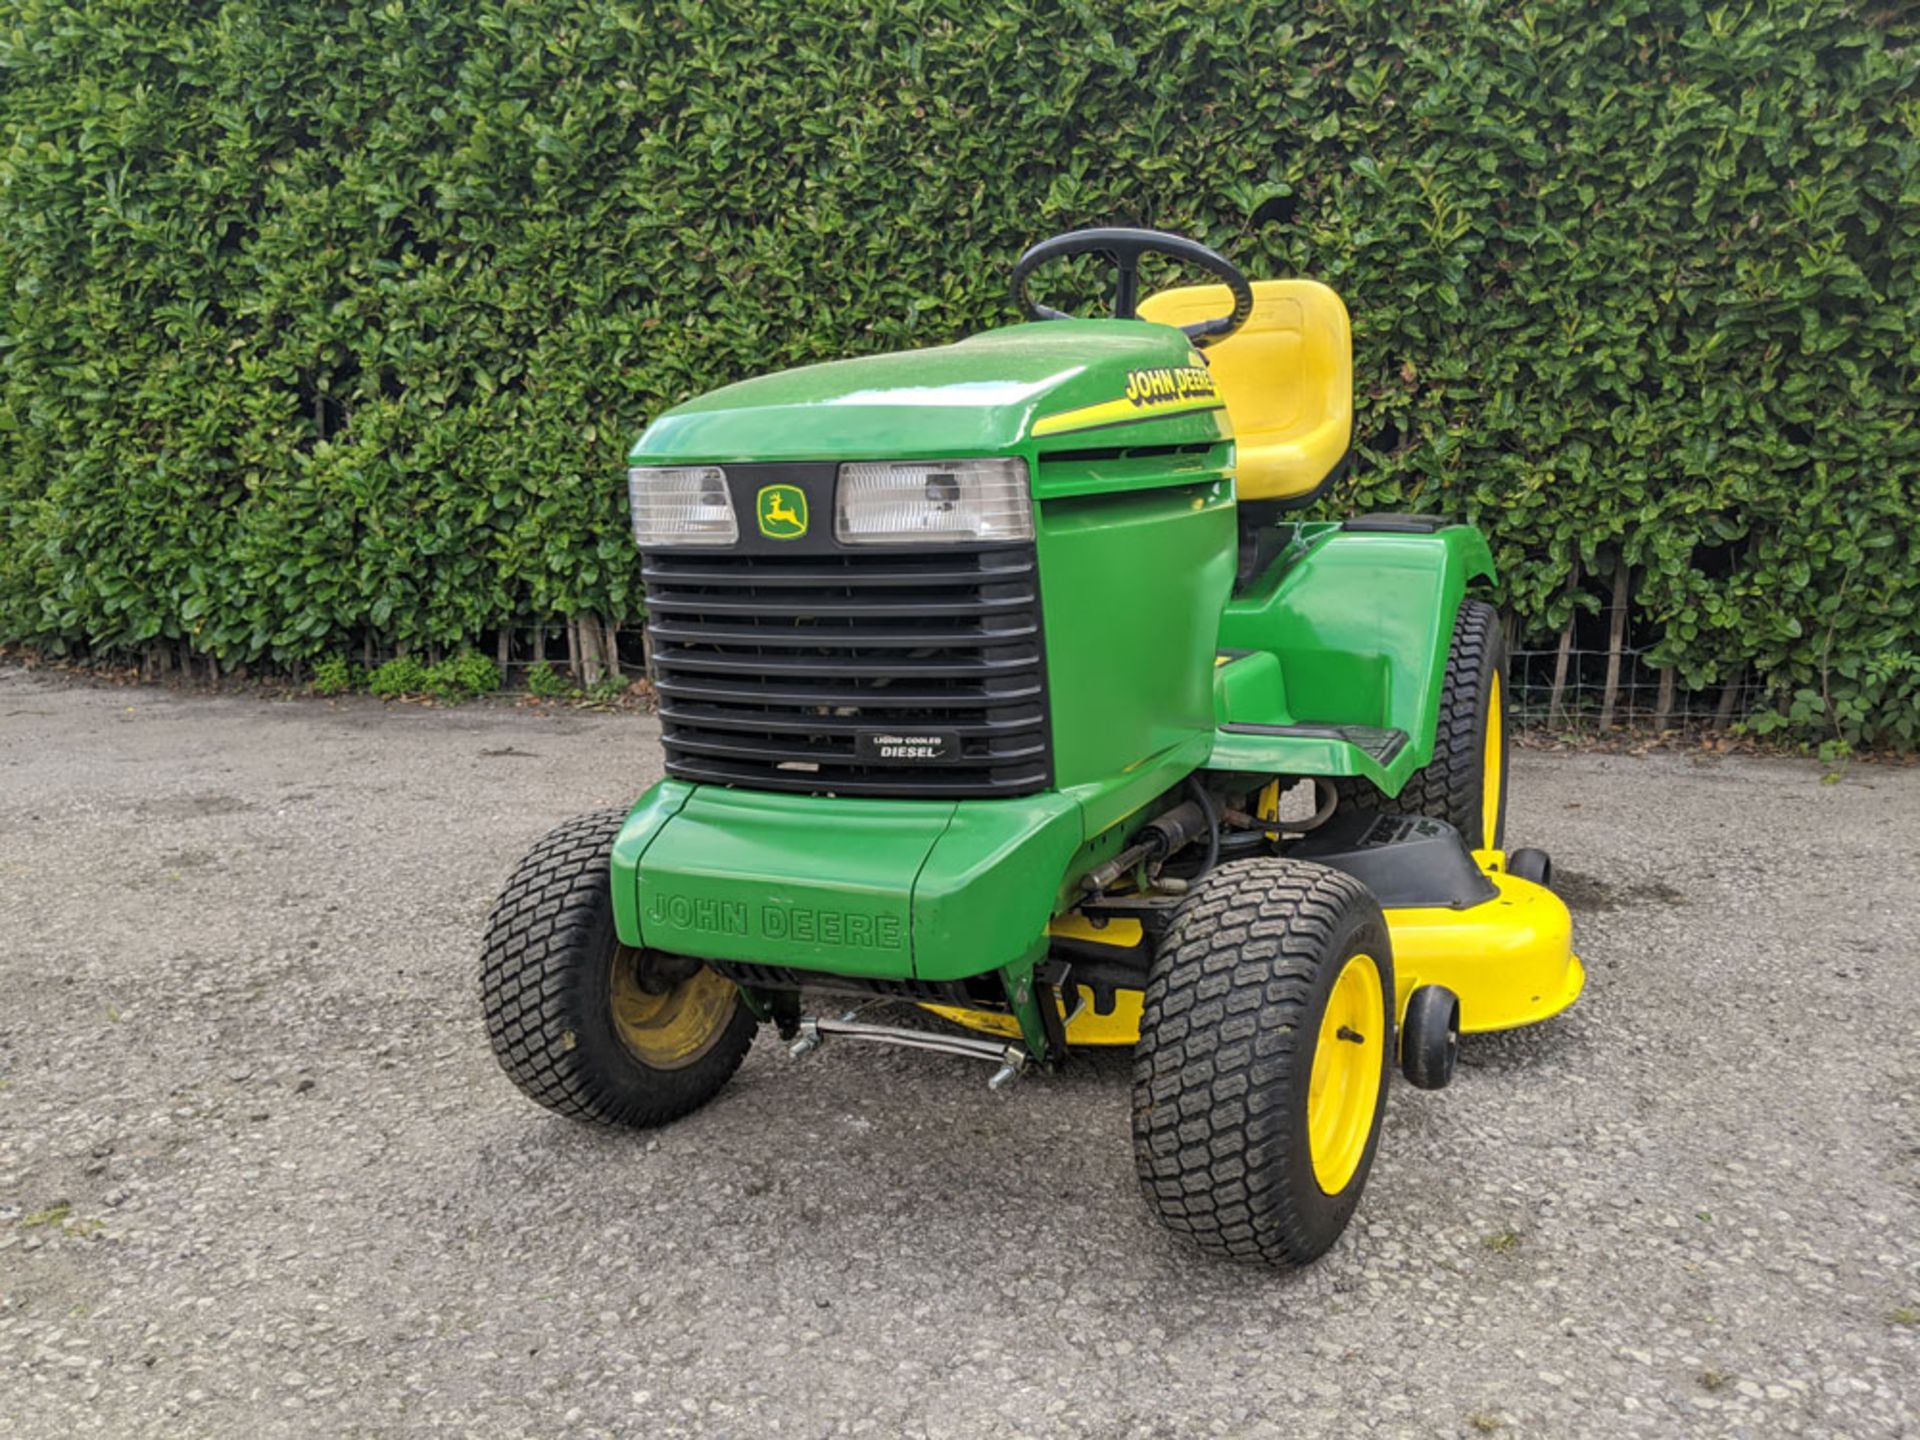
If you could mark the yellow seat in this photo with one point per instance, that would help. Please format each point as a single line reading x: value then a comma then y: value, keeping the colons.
x: 1286, y: 375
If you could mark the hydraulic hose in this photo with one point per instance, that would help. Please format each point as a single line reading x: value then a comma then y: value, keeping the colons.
x: 1212, y: 812
x: 1161, y: 838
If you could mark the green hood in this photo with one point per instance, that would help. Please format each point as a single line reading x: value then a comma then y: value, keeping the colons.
x: 991, y: 394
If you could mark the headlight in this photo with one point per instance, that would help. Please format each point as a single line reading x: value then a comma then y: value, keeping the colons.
x: 681, y: 505
x: 890, y: 502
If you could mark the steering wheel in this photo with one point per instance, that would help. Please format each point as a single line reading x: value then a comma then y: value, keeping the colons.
x: 1124, y: 247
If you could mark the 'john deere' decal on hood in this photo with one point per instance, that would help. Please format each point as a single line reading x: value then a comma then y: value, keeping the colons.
x: 1150, y: 394
x: 1164, y: 385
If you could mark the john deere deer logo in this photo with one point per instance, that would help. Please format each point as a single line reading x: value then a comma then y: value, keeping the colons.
x: 783, y: 512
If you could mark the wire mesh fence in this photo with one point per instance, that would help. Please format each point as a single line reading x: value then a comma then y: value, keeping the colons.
x: 1600, y: 675
x: 1570, y: 690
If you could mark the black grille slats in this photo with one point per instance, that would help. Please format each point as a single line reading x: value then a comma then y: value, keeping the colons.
x: 769, y: 668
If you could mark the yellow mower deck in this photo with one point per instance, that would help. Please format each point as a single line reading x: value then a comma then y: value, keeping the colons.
x: 1509, y: 959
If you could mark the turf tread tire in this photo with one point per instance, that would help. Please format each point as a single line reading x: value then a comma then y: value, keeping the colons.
x: 1229, y: 1020
x: 542, y: 991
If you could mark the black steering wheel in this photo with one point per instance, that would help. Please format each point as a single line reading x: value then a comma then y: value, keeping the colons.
x: 1124, y: 248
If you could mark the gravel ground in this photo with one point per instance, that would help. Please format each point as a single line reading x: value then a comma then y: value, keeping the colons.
x: 260, y: 1176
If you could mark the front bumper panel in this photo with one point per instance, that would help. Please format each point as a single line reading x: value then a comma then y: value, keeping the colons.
x: 885, y: 889
x: 816, y: 882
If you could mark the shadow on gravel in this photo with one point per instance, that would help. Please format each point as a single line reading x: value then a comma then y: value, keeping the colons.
x: 1591, y: 894
x: 1512, y: 1051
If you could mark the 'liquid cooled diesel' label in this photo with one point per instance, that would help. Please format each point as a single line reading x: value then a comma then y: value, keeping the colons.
x: 905, y: 745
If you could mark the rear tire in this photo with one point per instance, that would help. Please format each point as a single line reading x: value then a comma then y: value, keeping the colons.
x: 1465, y: 783
x: 584, y: 1025
x: 1260, y: 1078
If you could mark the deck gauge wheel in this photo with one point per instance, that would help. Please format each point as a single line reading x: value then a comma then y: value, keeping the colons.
x: 1430, y: 1037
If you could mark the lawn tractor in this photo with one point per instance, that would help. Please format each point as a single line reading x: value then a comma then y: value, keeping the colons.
x: 997, y: 679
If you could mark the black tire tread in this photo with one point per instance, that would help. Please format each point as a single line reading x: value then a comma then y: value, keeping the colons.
x: 1224, y: 1020
x: 553, y: 909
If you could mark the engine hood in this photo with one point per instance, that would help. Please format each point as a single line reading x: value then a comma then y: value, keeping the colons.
x: 999, y: 392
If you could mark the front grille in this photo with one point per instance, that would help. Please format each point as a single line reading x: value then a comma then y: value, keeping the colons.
x: 775, y: 671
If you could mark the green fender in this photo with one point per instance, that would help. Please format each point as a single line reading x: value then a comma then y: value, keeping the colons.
x: 1349, y: 627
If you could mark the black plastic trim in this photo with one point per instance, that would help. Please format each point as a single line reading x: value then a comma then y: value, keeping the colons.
x: 1405, y: 860
x: 1381, y: 744
x: 1395, y: 524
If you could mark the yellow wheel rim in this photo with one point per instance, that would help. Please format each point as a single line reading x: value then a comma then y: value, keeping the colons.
x: 1344, y: 1090
x: 1491, y: 769
x: 673, y: 1028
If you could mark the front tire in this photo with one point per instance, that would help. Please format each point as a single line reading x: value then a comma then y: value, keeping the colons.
x: 1260, y: 1078
x: 584, y: 1025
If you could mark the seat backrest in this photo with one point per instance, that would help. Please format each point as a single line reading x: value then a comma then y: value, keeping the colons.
x: 1286, y: 376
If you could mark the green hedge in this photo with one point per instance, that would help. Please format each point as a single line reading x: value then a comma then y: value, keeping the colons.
x: 328, y: 324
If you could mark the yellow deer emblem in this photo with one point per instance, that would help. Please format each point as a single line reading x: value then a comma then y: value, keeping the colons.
x: 782, y: 510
